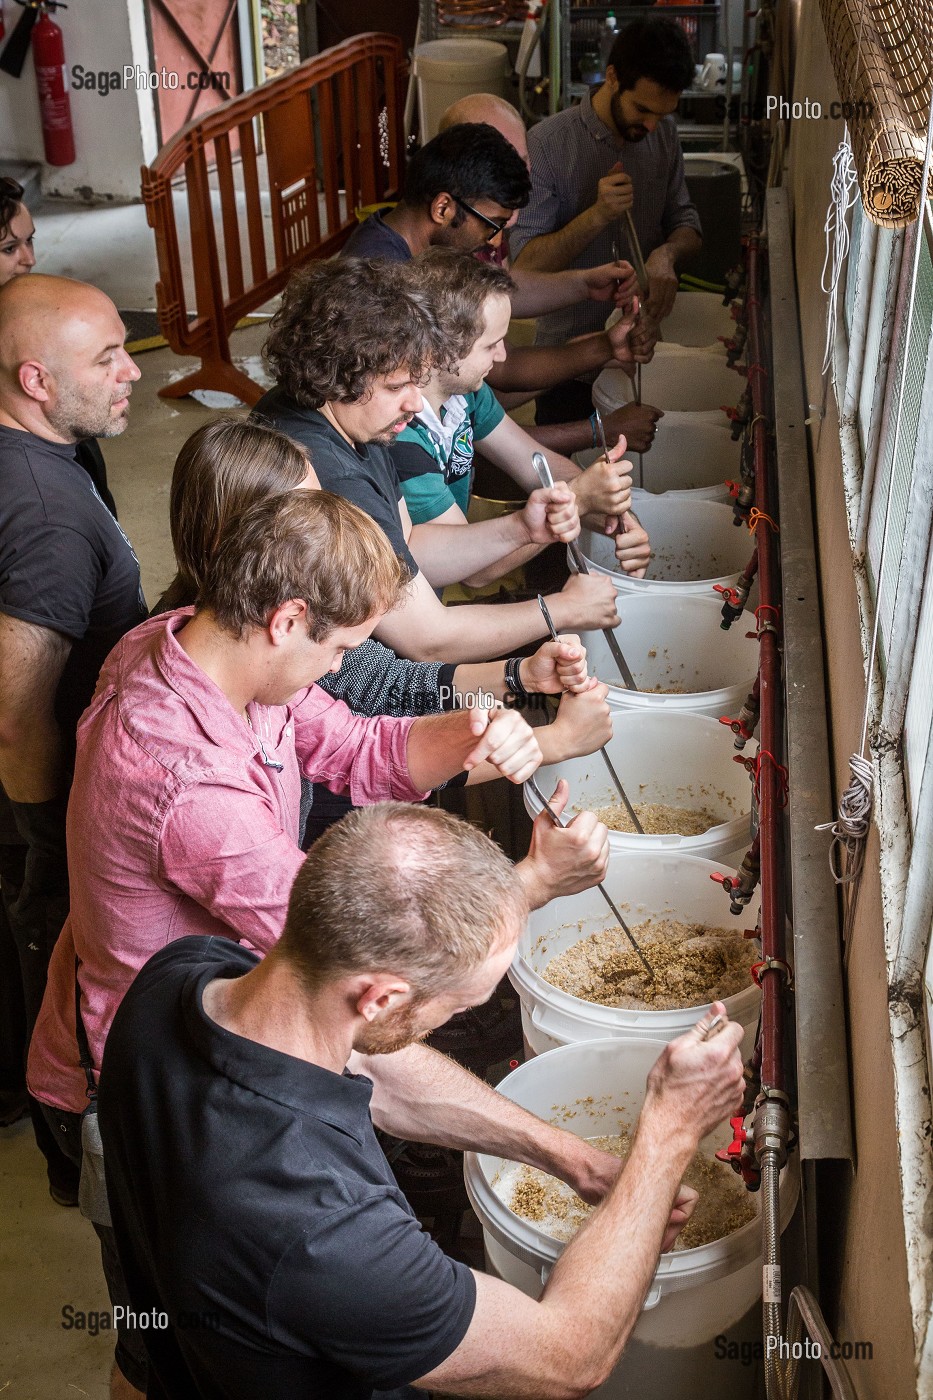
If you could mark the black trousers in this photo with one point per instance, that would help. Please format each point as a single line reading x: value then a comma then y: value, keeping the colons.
x: 33, y: 907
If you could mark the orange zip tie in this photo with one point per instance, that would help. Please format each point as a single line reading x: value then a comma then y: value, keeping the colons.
x: 755, y: 515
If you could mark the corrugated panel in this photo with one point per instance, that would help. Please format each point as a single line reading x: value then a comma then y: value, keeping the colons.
x: 914, y: 356
x: 877, y: 281
x: 854, y: 273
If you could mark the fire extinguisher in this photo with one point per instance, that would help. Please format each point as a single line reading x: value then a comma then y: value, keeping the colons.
x: 2, y: 25
x: 48, y: 52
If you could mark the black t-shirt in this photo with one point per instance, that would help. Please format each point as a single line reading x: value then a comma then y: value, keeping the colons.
x: 365, y: 475
x: 65, y: 563
x: 254, y: 1206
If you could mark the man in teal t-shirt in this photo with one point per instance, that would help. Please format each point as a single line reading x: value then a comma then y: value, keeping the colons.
x: 447, y: 438
x: 433, y: 456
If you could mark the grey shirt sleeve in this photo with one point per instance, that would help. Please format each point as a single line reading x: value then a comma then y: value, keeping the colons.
x: 679, y: 209
x: 374, y: 681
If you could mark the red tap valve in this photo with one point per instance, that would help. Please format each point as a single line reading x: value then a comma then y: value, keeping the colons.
x: 739, y: 1155
x: 733, y: 1153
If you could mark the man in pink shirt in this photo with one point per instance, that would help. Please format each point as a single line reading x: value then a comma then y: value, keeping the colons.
x: 184, y: 810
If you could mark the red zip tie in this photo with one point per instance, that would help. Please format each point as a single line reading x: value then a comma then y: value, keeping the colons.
x: 772, y: 965
x: 781, y: 774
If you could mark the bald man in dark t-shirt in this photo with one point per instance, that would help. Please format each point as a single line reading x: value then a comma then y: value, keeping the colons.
x: 69, y: 588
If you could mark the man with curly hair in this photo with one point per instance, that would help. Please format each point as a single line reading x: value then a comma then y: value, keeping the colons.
x: 350, y: 347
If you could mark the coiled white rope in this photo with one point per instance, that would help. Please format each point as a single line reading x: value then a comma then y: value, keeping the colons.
x: 843, y: 194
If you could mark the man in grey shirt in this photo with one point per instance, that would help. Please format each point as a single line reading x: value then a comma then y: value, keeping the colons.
x: 589, y: 164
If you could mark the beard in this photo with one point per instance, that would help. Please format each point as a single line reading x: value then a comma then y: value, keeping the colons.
x: 393, y: 1032
x: 628, y: 132
x: 386, y: 436
x: 81, y: 415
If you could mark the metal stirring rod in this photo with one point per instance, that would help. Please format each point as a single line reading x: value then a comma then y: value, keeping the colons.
x: 602, y: 888
x: 641, y: 272
x: 543, y: 472
x: 607, y: 760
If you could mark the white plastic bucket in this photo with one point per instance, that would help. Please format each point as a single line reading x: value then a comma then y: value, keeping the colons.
x: 696, y: 1296
x: 677, y: 639
x: 448, y: 69
x: 668, y: 885
x: 679, y: 377
x: 692, y: 454
x: 682, y: 760
x: 694, y: 546
x: 699, y: 318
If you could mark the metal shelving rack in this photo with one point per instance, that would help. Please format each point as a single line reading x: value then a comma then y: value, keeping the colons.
x: 580, y: 27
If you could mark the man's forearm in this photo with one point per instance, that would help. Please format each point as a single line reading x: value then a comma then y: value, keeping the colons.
x: 682, y: 242
x: 426, y: 1097
x: 620, y: 1245
x: 542, y: 367
x: 563, y: 437
x: 553, y: 252
x: 537, y: 293
x: 455, y: 553
x: 503, y: 566
x: 473, y: 632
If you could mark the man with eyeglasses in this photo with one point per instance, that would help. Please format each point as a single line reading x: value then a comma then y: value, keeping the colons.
x: 462, y: 189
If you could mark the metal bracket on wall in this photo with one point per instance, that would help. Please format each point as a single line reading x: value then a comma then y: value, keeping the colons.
x: 824, y: 1109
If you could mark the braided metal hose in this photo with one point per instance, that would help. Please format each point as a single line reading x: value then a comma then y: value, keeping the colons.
x: 775, y: 1377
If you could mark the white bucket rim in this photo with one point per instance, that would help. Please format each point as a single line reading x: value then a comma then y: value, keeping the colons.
x: 670, y: 842
x: 676, y: 1269
x: 526, y: 978
x: 624, y: 583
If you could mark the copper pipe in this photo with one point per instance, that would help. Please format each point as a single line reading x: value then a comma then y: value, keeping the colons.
x: 771, y: 798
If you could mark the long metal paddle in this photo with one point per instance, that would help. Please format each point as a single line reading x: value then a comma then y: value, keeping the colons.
x: 602, y: 888
x: 543, y: 472
x: 641, y: 272
x: 633, y: 816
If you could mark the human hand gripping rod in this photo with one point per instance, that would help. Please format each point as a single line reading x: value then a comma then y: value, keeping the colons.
x: 602, y: 888
x: 543, y: 472
x: 608, y: 761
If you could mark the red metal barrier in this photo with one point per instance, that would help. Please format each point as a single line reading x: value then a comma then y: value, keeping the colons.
x: 290, y: 160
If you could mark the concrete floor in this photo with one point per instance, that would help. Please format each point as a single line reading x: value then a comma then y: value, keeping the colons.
x: 49, y: 1256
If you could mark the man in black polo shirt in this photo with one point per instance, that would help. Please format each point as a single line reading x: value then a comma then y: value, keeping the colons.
x: 261, y: 1231
x: 69, y: 589
x: 350, y: 345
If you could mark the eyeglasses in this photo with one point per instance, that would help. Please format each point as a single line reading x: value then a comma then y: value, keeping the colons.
x: 496, y: 226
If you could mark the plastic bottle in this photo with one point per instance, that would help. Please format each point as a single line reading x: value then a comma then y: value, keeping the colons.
x: 607, y: 38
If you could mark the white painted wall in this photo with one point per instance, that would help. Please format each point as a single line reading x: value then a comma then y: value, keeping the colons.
x: 115, y: 134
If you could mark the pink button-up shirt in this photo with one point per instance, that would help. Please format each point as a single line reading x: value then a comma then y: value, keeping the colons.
x: 181, y: 821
